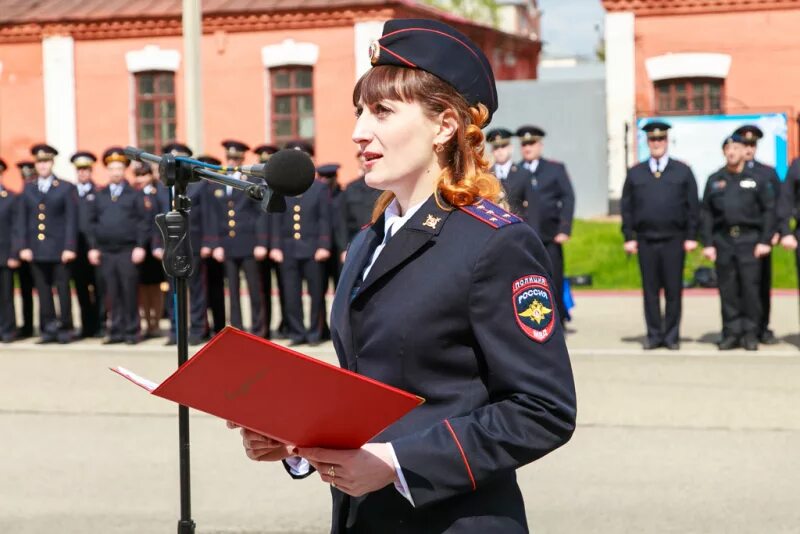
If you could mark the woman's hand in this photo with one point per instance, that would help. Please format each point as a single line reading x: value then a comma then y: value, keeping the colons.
x: 261, y: 448
x: 357, y: 471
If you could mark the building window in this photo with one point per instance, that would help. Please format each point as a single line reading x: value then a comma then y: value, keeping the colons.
x: 155, y: 110
x: 690, y: 95
x: 292, y: 104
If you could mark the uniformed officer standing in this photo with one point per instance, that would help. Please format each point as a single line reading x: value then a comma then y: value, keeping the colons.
x: 516, y: 179
x: 736, y: 227
x: 9, y: 259
x: 48, y: 219
x: 118, y: 232
x: 27, y: 172
x: 550, y: 204
x: 204, y: 235
x: 265, y: 264
x: 789, y: 207
x: 239, y: 216
x: 750, y: 134
x: 328, y: 174
x: 660, y: 218
x: 301, y: 243
x: 86, y: 279
x: 354, y: 211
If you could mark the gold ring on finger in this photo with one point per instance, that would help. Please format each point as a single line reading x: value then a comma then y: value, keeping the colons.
x: 332, y: 472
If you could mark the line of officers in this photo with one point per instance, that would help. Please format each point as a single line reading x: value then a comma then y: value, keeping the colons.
x: 745, y: 211
x: 104, y: 240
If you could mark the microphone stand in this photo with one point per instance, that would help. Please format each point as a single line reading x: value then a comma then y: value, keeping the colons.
x: 177, y: 262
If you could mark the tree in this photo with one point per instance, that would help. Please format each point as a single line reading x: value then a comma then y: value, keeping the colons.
x: 477, y: 10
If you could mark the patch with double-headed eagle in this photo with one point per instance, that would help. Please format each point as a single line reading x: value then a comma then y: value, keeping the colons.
x: 534, y: 307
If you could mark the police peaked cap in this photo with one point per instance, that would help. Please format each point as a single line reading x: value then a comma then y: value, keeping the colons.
x: 115, y: 153
x: 441, y: 50
x: 177, y: 149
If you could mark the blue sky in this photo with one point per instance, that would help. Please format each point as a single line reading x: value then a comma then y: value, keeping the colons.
x: 568, y: 26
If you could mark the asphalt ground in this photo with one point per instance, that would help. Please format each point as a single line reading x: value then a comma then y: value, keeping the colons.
x: 690, y: 441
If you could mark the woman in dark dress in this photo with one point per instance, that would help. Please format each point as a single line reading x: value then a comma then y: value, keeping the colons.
x: 445, y: 295
x: 151, y: 274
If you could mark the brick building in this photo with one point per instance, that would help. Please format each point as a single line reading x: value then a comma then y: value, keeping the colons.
x: 674, y: 57
x: 89, y: 74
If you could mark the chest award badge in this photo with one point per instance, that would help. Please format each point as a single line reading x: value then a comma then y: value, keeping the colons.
x: 431, y: 221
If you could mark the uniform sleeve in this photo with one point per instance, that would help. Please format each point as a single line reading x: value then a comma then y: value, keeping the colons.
x: 325, y: 204
x: 693, y: 223
x: 567, y: 202
x: 766, y: 197
x: 91, y: 222
x: 275, y: 228
x: 775, y: 180
x: 262, y: 229
x: 627, y: 209
x: 71, y: 220
x: 212, y: 225
x: 706, y: 217
x: 22, y: 222
x: 787, y: 200
x: 16, y: 240
x: 532, y: 407
x: 144, y: 229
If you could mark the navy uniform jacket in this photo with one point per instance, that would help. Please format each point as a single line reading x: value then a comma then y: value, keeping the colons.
x: 769, y: 173
x: 549, y: 201
x: 305, y: 226
x: 663, y: 207
x: 789, y: 199
x: 746, y: 200
x: 49, y: 222
x: 354, y: 211
x: 9, y: 236
x: 516, y: 186
x: 458, y: 309
x: 116, y: 224
x: 204, y: 227
x: 239, y: 217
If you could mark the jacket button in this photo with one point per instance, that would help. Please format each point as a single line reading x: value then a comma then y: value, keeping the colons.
x: 296, y: 216
x: 40, y: 237
x: 42, y: 207
x: 297, y: 208
x: 297, y: 235
x: 41, y: 227
x: 231, y: 213
x: 232, y: 233
x: 42, y: 216
x: 231, y: 223
x: 296, y: 226
x: 230, y: 203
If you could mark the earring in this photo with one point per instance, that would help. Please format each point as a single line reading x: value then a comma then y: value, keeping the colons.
x: 438, y: 148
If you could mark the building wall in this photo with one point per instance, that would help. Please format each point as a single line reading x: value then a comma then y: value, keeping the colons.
x: 763, y: 46
x: 21, y: 104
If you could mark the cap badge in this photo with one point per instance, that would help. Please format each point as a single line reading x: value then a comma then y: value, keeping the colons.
x: 374, y: 52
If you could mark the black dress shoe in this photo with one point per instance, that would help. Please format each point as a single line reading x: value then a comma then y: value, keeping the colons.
x: 44, y: 340
x: 767, y: 337
x: 650, y: 345
x: 9, y: 338
x: 24, y: 333
x: 297, y: 342
x: 196, y: 340
x: 131, y: 341
x: 113, y: 341
x: 728, y: 343
x: 750, y: 343
x: 673, y: 346
x: 315, y: 343
x: 170, y: 341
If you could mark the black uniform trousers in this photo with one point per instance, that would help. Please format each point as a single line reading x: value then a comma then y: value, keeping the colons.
x: 26, y: 293
x: 265, y: 272
x: 765, y: 290
x: 556, y: 254
x: 121, y: 278
x: 46, y: 275
x: 215, y: 293
x: 198, y: 305
x: 739, y: 280
x: 293, y: 272
x: 8, y: 319
x: 233, y: 267
x: 661, y: 264
x: 89, y: 297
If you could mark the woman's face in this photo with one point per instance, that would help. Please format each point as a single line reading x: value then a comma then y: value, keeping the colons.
x: 397, y: 143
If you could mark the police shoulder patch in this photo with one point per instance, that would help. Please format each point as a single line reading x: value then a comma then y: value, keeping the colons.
x: 534, y: 308
x: 490, y: 213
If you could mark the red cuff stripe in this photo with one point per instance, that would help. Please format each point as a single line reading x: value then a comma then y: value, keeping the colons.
x: 463, y: 456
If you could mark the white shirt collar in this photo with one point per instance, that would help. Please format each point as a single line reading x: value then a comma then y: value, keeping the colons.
x: 504, y: 169
x: 392, y: 220
x: 532, y: 165
x: 659, y: 164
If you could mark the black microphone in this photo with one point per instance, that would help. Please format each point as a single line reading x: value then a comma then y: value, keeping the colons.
x: 289, y: 172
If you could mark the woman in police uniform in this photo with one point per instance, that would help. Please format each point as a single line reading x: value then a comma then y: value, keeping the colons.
x: 445, y: 295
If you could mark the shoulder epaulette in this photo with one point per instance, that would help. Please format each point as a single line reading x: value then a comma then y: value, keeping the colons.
x: 490, y: 213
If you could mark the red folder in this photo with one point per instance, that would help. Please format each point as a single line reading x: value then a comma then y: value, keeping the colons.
x: 281, y: 393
